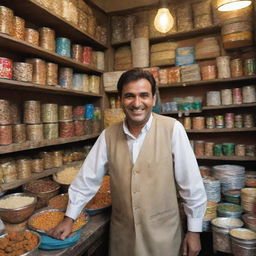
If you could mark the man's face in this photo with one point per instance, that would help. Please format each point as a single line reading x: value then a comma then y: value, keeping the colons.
x: 137, y: 101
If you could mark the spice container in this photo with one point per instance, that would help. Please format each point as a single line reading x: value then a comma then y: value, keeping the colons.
x: 63, y: 46
x: 199, y: 147
x: 229, y: 120
x: 249, y: 67
x: 32, y: 36
x: 94, y: 84
x: 57, y: 158
x: 208, y: 148
x: 236, y: 66
x: 5, y: 68
x: 213, y: 98
x: 9, y: 171
x: 66, y: 77
x: 238, y: 121
x: 51, y: 74
x: 87, y: 55
x: 249, y: 94
x: 65, y: 113
x: 5, y: 115
x: 223, y: 64
x: 39, y: 70
x: 51, y: 131
x: 198, y: 122
x: 47, y: 38
x: 15, y: 111
x: 47, y: 158
x: 237, y: 96
x: 6, y: 17
x: 5, y: 134
x: 23, y: 167
x: 18, y: 30
x: 49, y: 113
x: 88, y: 127
x: 78, y: 112
x: 35, y: 132
x: 37, y: 165
x: 240, y: 150
x: 226, y: 97
x: 66, y: 129
x: 19, y: 133
x: 77, y: 52
x: 22, y: 71
x: 210, y: 122
x: 89, y: 111
x: 208, y: 72
x: 32, y: 112
x: 77, y: 82
x: 229, y: 210
x: 79, y: 129
x: 219, y: 121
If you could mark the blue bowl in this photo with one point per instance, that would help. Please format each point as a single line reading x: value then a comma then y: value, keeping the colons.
x: 93, y: 212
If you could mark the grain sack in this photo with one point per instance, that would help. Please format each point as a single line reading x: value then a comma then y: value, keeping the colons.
x: 162, y: 58
x: 140, y: 52
x: 190, y: 73
x: 122, y: 52
x: 167, y: 46
x: 110, y: 80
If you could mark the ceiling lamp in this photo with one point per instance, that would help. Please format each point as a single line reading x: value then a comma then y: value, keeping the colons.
x: 232, y: 5
x: 163, y: 21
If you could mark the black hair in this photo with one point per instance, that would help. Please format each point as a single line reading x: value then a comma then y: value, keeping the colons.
x: 135, y: 75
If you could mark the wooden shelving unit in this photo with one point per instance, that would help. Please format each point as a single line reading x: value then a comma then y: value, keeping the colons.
x: 227, y: 158
x: 220, y: 130
x: 35, y: 176
x: 17, y: 85
x: 32, y: 11
x: 244, y: 105
x: 43, y: 143
x: 21, y: 47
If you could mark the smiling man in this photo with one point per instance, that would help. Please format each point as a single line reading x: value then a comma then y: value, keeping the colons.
x: 149, y: 157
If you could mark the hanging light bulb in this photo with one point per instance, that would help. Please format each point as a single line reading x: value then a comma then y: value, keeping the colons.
x: 232, y: 5
x: 163, y: 21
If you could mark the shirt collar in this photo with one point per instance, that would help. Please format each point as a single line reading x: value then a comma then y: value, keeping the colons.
x: 144, y: 129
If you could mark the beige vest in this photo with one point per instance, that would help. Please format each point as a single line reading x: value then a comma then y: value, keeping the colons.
x: 145, y: 217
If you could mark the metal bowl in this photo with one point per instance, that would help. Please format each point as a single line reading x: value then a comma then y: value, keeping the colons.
x: 55, y: 198
x: 34, y: 251
x: 47, y: 209
x: 18, y: 215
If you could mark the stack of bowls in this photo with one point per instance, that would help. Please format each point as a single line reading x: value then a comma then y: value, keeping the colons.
x: 229, y: 210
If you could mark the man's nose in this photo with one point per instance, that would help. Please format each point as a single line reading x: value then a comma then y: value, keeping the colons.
x: 137, y: 102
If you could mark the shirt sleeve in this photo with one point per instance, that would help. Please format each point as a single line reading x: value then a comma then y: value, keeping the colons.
x: 88, y: 179
x: 188, y: 178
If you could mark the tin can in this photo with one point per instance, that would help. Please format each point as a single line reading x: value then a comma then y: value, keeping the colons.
x: 79, y: 128
x: 240, y: 150
x: 210, y: 122
x: 228, y: 149
x: 208, y: 148
x: 219, y: 121
x: 87, y: 55
x: 35, y: 132
x: 5, y: 112
x: 66, y: 77
x: 250, y: 67
x: 49, y: 113
x: 19, y: 133
x: 248, y: 121
x: 66, y: 129
x: 78, y: 112
x: 63, y: 47
x: 5, y: 134
x: 47, y: 38
x: 237, y: 96
x: 6, y: 17
x: 249, y: 94
x: 5, y: 68
x: 32, y: 36
x: 199, y: 147
x: 187, y: 123
x: 32, y: 112
x: 77, y: 52
x: 238, y: 121
x: 198, y: 122
x: 229, y: 120
x: 250, y: 150
x: 226, y: 97
x: 18, y: 31
x: 89, y: 111
x: 51, y: 131
x: 236, y: 66
x: 51, y: 74
x: 217, y: 150
x: 65, y: 113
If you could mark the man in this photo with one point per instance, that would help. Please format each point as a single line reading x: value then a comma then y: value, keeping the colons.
x: 140, y: 154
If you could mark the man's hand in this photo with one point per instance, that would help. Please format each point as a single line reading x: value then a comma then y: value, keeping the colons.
x: 191, y: 244
x: 63, y: 230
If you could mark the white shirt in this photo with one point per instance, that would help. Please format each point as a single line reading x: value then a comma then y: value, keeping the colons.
x: 186, y: 171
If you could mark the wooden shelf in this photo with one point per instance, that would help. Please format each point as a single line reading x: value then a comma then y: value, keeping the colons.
x: 181, y: 112
x: 35, y: 176
x: 219, y: 130
x: 244, y: 105
x: 206, y: 82
x: 177, y: 35
x: 21, y: 46
x: 18, y: 85
x: 43, y: 143
x: 227, y: 158
x: 30, y: 10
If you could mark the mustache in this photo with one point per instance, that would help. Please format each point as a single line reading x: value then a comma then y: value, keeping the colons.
x: 137, y: 108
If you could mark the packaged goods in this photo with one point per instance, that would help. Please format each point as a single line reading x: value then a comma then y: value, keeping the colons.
x: 66, y: 77
x: 5, y: 112
x: 32, y: 112
x: 51, y: 131
x: 184, y: 56
x: 77, y: 52
x: 140, y: 50
x: 51, y: 74
x: 47, y: 38
x: 6, y: 68
x: 18, y: 133
x: 22, y: 71
x: 18, y: 31
x: 63, y: 47
x: 39, y: 70
x: 5, y: 134
x: 35, y: 132
x: 32, y: 36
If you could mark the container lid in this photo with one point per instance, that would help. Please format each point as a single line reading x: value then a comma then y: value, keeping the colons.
x: 227, y: 222
x: 243, y: 234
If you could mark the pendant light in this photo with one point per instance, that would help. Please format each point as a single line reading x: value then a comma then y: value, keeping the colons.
x: 163, y: 21
x: 232, y: 5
